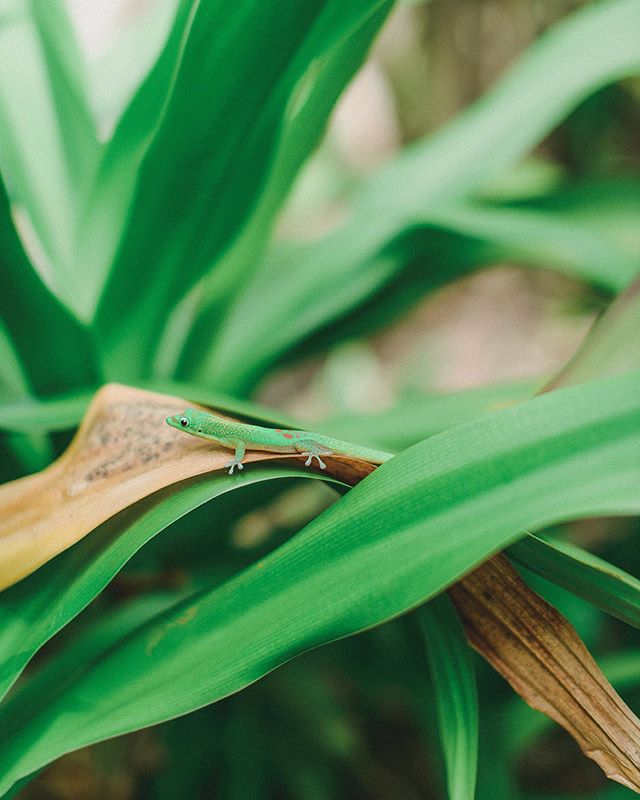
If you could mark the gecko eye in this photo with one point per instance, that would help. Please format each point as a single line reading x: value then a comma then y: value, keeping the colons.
x: 184, y: 422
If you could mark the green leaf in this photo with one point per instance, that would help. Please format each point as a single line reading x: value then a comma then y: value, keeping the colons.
x: 58, y: 413
x: 497, y: 131
x: 610, y: 207
x: 34, y: 610
x: 48, y: 145
x: 238, y: 81
x: 592, y: 578
x: 55, y: 350
x: 536, y: 237
x: 13, y: 383
x: 100, y: 633
x: 455, y: 694
x: 403, y: 534
x: 66, y: 72
x: 32, y: 450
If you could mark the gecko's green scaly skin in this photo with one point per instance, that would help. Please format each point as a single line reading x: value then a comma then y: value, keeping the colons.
x: 240, y: 437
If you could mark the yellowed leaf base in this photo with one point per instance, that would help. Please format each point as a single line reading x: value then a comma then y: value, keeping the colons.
x: 537, y: 650
x: 122, y: 452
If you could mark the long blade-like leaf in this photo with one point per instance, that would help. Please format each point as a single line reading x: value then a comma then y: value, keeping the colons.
x: 102, y: 224
x: 34, y: 610
x: 458, y: 239
x: 418, y: 416
x: 302, y: 129
x: 455, y: 694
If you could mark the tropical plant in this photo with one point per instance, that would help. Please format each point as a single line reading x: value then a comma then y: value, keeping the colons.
x: 146, y: 256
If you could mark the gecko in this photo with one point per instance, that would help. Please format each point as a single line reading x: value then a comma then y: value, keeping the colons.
x: 239, y: 437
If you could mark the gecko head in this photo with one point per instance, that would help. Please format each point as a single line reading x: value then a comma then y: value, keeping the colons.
x: 187, y: 421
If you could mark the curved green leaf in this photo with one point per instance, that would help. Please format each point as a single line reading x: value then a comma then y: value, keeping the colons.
x: 116, y: 74
x: 303, y: 127
x: 102, y: 225
x: 418, y: 416
x: 610, y: 207
x: 34, y: 610
x: 404, y: 533
x: 66, y: 72
x: 57, y: 413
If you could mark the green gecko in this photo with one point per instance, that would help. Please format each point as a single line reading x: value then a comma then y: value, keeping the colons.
x: 240, y: 437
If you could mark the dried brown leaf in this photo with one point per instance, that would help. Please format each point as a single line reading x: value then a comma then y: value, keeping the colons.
x: 540, y: 654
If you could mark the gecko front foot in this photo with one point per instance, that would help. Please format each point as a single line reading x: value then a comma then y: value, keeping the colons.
x: 233, y: 463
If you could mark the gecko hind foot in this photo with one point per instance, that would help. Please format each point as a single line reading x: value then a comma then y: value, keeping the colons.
x: 232, y: 464
x: 311, y: 456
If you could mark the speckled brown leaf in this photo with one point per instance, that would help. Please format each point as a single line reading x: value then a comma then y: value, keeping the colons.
x: 122, y: 452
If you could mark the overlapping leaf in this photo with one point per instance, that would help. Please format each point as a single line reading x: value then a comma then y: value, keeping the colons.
x: 458, y: 239
x: 32, y: 611
x: 418, y: 416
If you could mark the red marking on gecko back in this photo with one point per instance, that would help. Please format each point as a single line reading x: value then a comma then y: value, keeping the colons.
x: 288, y: 435
x: 278, y: 430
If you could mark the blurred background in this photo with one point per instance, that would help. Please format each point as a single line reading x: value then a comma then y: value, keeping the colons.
x: 319, y: 728
x: 431, y: 60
